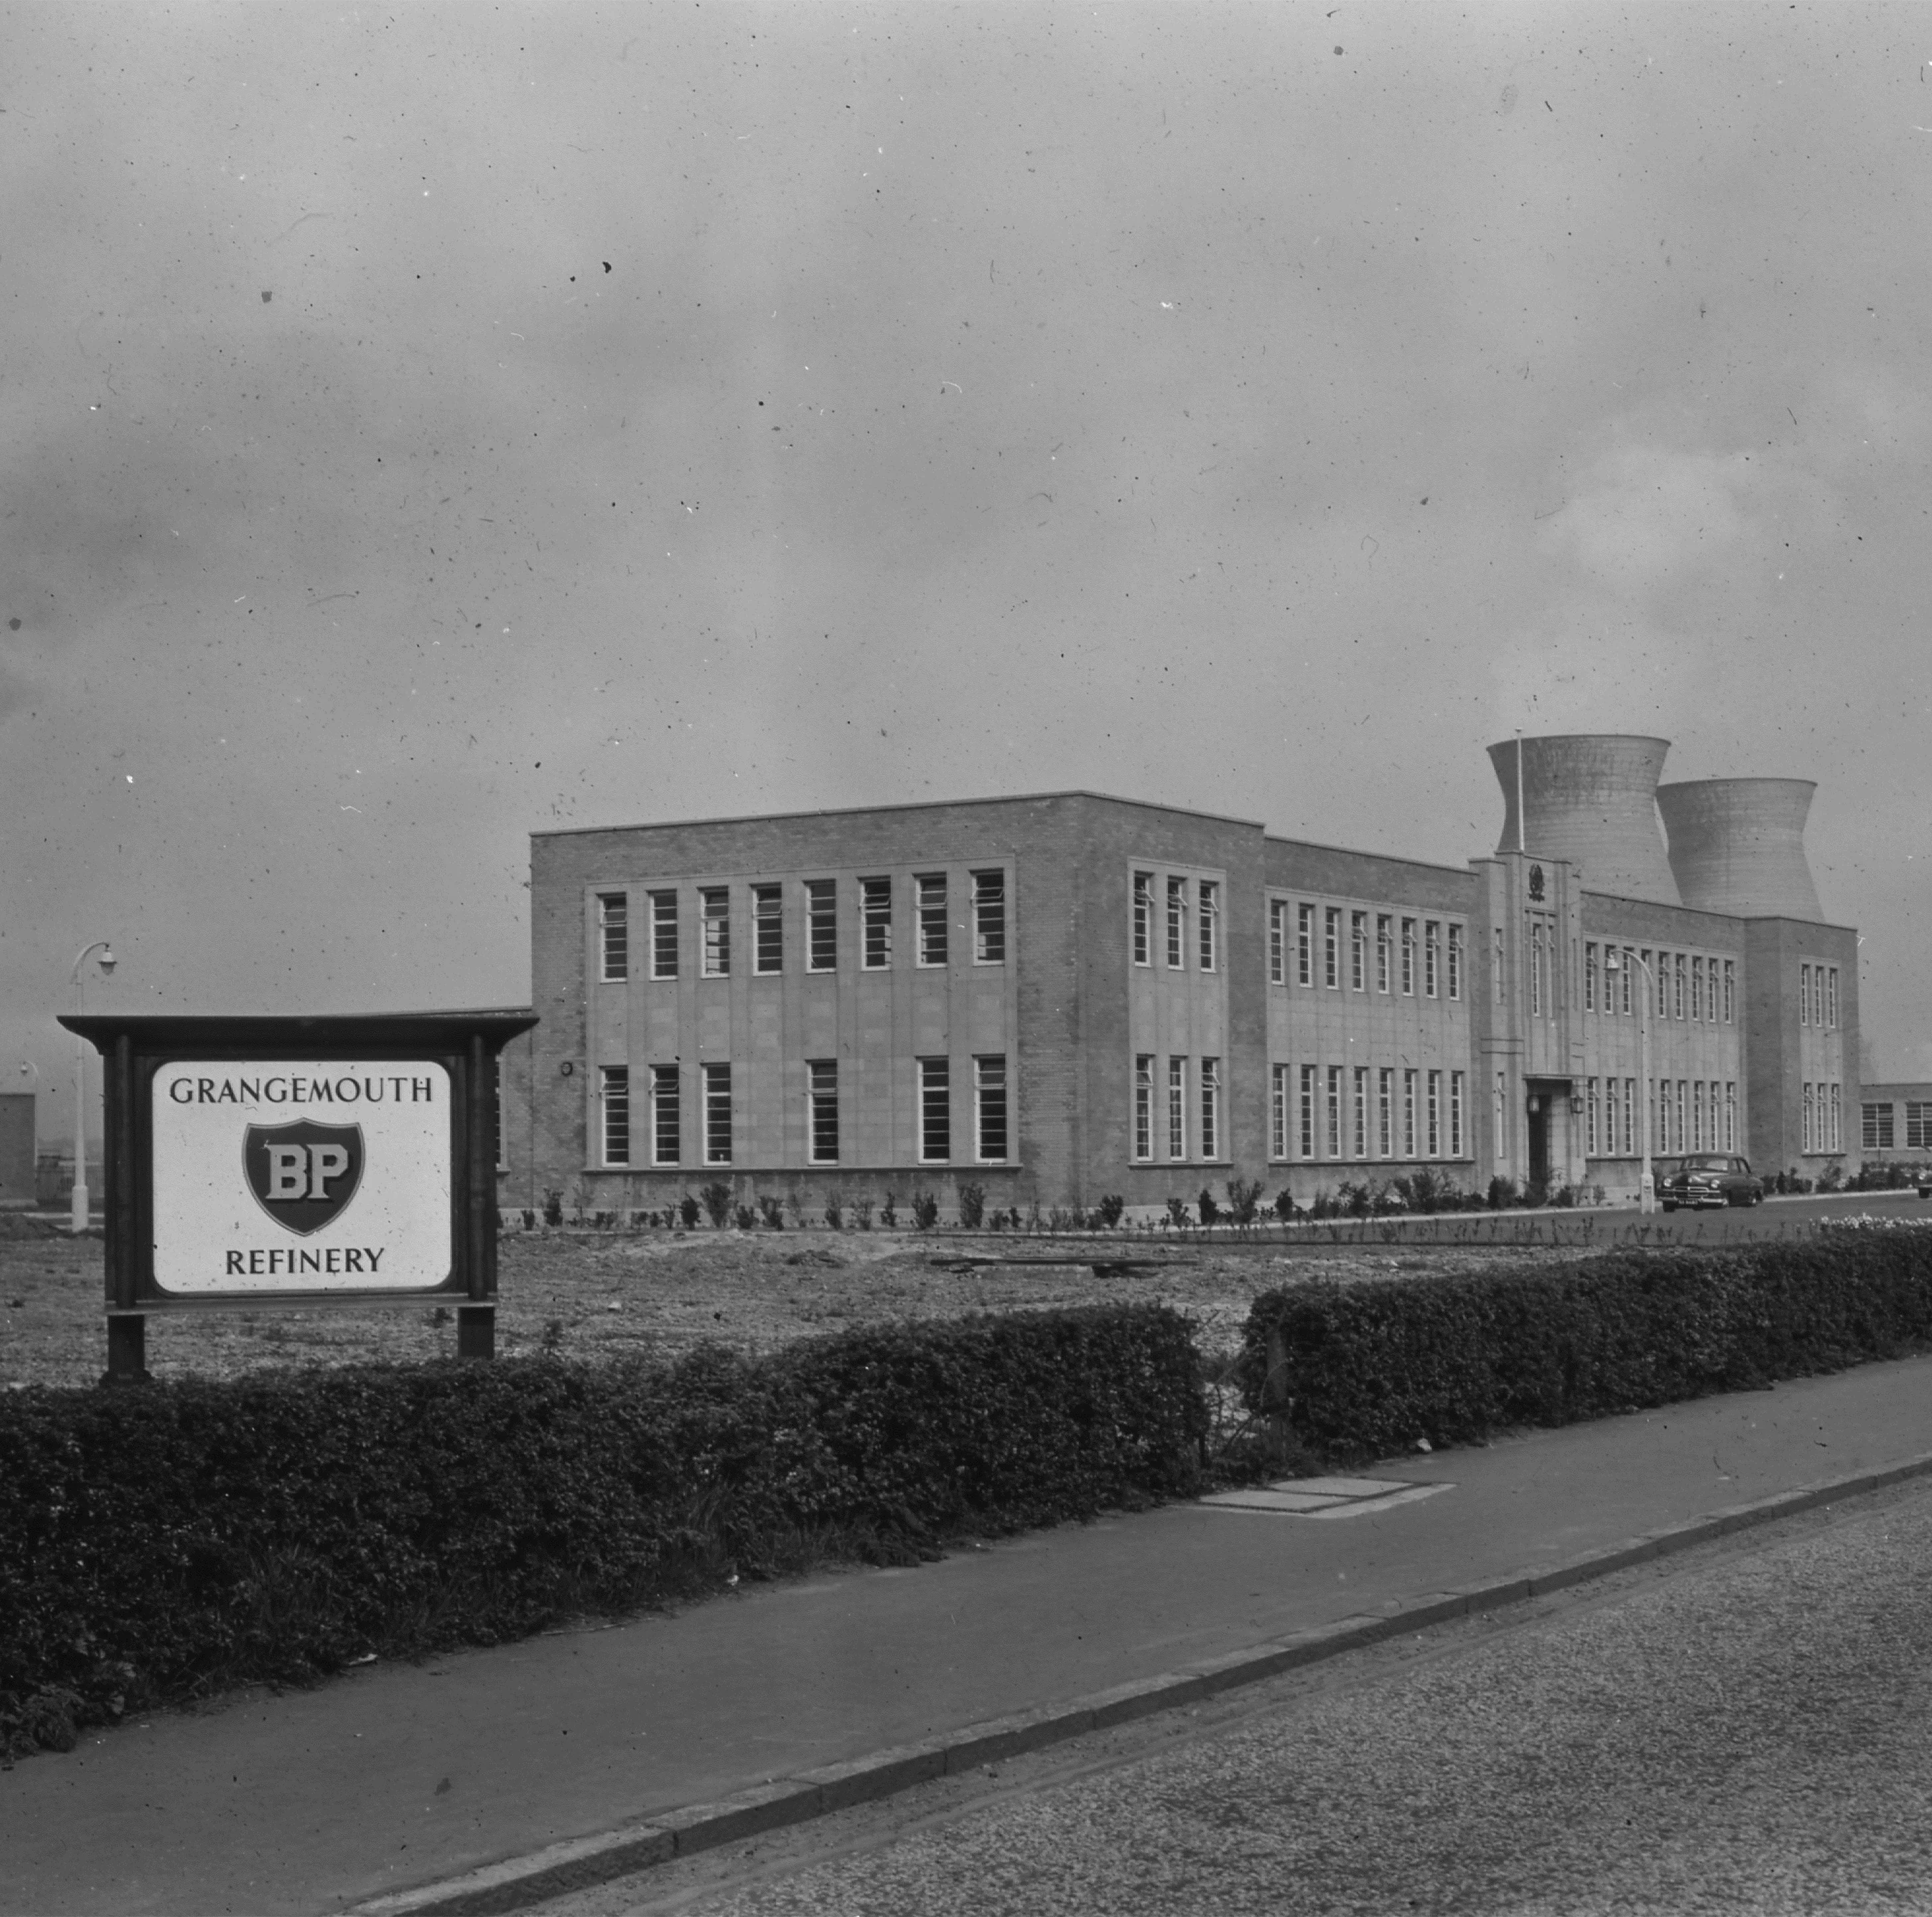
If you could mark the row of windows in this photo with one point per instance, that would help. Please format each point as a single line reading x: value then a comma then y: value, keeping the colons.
x: 1172, y: 922
x: 1162, y: 1105
x: 1819, y: 1103
x: 930, y: 927
x: 1818, y: 995
x: 1687, y: 985
x: 1878, y: 1132
x: 1394, y: 958
x: 1361, y: 1112
x: 1691, y: 1115
x: 663, y: 1143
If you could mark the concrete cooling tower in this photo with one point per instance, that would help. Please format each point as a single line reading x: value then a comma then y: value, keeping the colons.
x: 1591, y: 797
x: 1737, y: 845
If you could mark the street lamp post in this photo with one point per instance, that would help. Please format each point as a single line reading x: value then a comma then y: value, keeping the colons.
x: 1612, y: 962
x: 106, y: 962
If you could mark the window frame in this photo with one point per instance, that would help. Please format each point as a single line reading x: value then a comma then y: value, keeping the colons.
x: 1141, y: 919
x: 989, y: 915
x: 664, y: 939
x: 614, y: 954
x: 667, y: 1114
x: 715, y: 1076
x: 933, y: 945
x: 990, y: 1093
x: 767, y: 930
x: 821, y: 924
x: 935, y: 1101
x: 714, y: 920
x: 613, y: 1105
x: 875, y: 923
x: 822, y: 1125
x: 1207, y: 918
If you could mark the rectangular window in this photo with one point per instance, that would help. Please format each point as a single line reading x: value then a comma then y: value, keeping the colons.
x: 768, y: 928
x: 1455, y: 961
x: 1432, y: 956
x: 1209, y: 896
x: 1623, y: 988
x: 1499, y: 1117
x: 1835, y: 1145
x: 1177, y: 1108
x: 823, y: 1100
x: 1805, y: 994
x: 1697, y: 1115
x: 664, y: 935
x: 1385, y: 1111
x: 1384, y: 950
x: 1143, y: 918
x: 932, y: 926
x: 1210, y: 1108
x: 1307, y: 1120
x: 714, y: 906
x: 1681, y: 1133
x: 1358, y: 951
x: 718, y: 1114
x: 1278, y: 1113
x: 1304, y: 945
x: 1409, y: 1114
x: 935, y: 1110
x: 1589, y: 976
x: 1730, y: 988
x: 1917, y: 1125
x: 1876, y: 1127
x: 1831, y: 998
x: 614, y: 1091
x: 1331, y: 948
x: 1535, y: 967
x: 1696, y: 988
x: 1176, y: 922
x: 1455, y: 1114
x: 614, y: 938
x: 1408, y: 958
x: 1435, y: 1114
x: 1143, y: 1105
x: 1277, y: 941
x: 1590, y: 1118
x: 1361, y: 1126
x: 989, y: 919
x: 1496, y: 958
x: 1808, y: 1116
x: 664, y: 1140
x: 1334, y: 1111
x: 821, y: 927
x: 1680, y: 985
x: 1630, y: 1117
x: 875, y: 924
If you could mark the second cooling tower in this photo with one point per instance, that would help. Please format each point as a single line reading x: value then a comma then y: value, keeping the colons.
x: 1590, y: 797
x: 1737, y: 845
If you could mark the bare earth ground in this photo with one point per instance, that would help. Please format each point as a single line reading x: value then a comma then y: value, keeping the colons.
x: 600, y: 1294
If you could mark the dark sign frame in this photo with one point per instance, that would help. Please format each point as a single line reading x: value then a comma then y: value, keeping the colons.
x: 133, y: 1049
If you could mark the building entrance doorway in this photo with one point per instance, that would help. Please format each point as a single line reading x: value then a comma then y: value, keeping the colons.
x: 1539, y: 1141
x: 1546, y: 1098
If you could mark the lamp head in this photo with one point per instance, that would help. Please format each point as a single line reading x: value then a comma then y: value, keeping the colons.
x: 106, y: 960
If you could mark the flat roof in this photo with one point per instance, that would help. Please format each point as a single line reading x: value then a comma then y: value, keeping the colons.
x: 904, y: 805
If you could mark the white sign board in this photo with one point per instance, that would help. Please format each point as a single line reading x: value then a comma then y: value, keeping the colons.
x: 291, y: 1174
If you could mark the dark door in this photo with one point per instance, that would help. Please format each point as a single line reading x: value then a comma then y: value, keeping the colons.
x: 1539, y: 1142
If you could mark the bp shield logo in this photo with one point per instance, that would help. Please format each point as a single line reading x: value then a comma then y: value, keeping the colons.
x: 303, y: 1174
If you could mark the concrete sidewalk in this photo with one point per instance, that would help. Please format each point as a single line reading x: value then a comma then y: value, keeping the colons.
x: 764, y: 1706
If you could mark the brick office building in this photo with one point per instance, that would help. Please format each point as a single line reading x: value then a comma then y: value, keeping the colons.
x: 1060, y: 997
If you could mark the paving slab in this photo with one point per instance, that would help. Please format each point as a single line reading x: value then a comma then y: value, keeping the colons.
x: 595, y: 1743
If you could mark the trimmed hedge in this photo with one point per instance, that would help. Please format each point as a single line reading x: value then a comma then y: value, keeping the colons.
x: 1371, y: 1368
x: 160, y: 1543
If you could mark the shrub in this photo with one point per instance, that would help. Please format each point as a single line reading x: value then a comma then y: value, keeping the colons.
x: 1502, y: 1192
x: 1285, y: 1206
x: 889, y: 1213
x: 772, y: 1211
x: 160, y: 1544
x: 553, y: 1207
x: 687, y: 1210
x: 716, y: 1199
x: 972, y: 1205
x: 924, y: 1211
x: 835, y: 1210
x: 862, y: 1213
x: 1112, y: 1207
x: 530, y: 1220
x: 1244, y: 1199
x: 744, y: 1218
x: 1373, y: 1366
x: 1209, y: 1210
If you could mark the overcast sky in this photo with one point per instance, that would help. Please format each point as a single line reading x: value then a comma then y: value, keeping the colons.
x: 421, y: 427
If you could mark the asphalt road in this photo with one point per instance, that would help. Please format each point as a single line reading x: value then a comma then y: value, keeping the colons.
x: 1743, y: 1729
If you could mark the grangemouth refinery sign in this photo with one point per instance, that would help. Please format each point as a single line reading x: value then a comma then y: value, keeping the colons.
x: 255, y: 1161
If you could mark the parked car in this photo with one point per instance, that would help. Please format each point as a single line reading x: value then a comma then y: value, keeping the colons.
x: 1712, y: 1178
